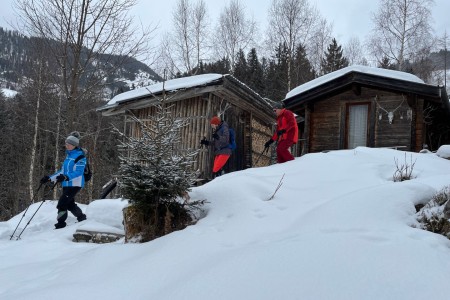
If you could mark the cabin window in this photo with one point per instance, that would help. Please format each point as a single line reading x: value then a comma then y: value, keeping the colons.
x: 357, y: 125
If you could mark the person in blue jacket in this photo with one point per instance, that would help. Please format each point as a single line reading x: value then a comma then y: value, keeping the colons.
x: 72, y: 181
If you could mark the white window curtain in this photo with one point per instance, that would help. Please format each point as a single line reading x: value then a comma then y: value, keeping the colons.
x: 357, y: 129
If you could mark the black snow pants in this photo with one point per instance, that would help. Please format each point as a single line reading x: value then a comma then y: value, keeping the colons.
x: 67, y: 202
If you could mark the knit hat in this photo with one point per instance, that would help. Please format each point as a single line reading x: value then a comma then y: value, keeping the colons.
x: 278, y: 105
x: 73, y: 138
x: 215, y: 120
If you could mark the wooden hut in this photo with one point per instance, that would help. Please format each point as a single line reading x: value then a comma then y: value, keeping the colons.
x: 198, y: 98
x: 365, y: 106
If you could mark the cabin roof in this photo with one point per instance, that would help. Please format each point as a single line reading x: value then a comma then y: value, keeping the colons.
x: 346, y: 78
x: 184, y: 88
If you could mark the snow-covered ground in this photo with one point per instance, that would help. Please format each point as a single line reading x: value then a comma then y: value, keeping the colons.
x: 338, y: 228
x: 8, y: 93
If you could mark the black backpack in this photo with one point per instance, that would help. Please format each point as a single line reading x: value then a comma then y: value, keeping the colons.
x: 87, y: 169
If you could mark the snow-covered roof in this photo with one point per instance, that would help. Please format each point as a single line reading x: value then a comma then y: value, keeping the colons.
x: 355, y: 68
x: 169, y: 85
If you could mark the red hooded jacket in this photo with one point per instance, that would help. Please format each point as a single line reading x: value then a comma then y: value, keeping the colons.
x: 286, y: 120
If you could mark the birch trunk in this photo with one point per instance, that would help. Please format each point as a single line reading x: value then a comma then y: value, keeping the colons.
x: 36, y: 126
x: 58, y: 133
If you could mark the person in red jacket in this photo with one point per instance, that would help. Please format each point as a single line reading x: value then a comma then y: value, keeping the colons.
x: 286, y: 133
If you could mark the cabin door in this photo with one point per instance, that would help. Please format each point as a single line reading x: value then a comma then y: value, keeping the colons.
x: 357, y: 119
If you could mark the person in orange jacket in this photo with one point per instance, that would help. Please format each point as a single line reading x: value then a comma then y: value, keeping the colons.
x: 286, y: 133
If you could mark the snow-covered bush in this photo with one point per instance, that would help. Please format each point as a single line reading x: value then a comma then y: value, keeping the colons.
x: 434, y: 215
x: 403, y: 171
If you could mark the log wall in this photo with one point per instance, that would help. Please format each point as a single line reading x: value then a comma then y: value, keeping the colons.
x: 251, y: 132
x: 326, y: 121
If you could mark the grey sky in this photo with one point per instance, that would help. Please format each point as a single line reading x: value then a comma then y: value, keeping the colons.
x: 350, y: 18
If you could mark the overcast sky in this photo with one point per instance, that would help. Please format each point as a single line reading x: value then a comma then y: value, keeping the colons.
x: 349, y: 17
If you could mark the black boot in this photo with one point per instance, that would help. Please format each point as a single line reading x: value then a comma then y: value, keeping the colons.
x: 81, y: 218
x: 60, y: 225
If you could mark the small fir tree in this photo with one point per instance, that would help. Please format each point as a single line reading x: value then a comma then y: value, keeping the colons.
x: 155, y: 172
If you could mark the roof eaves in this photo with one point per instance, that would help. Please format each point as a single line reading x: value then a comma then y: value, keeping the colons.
x: 345, y: 82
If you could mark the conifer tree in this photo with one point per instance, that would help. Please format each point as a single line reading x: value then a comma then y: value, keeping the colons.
x: 240, y: 70
x: 153, y: 168
x: 385, y: 63
x: 302, y: 69
x: 276, y: 80
x: 334, y: 58
x: 255, y: 72
x: 221, y: 66
x: 155, y: 172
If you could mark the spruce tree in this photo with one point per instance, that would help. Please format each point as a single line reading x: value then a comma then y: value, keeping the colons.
x: 155, y: 172
x: 385, y: 63
x: 255, y: 72
x: 240, y: 68
x: 276, y: 79
x: 302, y: 69
x: 334, y: 58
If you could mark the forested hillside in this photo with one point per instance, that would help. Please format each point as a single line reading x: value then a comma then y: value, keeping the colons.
x: 17, y: 57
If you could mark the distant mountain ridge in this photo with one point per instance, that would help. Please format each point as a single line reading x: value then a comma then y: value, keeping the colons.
x: 16, y: 57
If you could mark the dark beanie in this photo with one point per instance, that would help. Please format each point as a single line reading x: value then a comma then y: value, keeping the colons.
x: 278, y: 105
x: 73, y: 138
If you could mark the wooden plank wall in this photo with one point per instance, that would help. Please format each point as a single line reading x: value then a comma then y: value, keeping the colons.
x: 327, y: 121
x: 325, y: 125
x: 399, y: 132
x: 250, y: 132
x: 195, y: 110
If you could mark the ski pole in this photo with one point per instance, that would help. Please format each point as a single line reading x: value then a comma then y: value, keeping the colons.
x: 265, y: 149
x: 32, y: 201
x: 51, y: 189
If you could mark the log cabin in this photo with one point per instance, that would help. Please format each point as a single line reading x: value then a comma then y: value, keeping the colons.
x: 198, y: 98
x: 372, y: 107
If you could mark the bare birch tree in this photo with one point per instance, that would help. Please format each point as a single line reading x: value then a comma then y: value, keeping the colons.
x: 401, y: 29
x: 201, y: 29
x: 353, y: 51
x: 78, y: 32
x: 291, y: 22
x: 318, y: 43
x: 183, y: 39
x: 234, y: 31
x: 35, y: 134
x: 185, y: 46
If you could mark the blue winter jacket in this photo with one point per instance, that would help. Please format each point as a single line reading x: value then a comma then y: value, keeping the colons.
x: 73, y: 171
x: 221, y: 145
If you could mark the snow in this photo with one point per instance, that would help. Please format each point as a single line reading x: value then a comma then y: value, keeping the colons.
x: 9, y: 93
x: 355, y: 68
x: 169, y: 85
x: 443, y: 151
x: 338, y: 228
